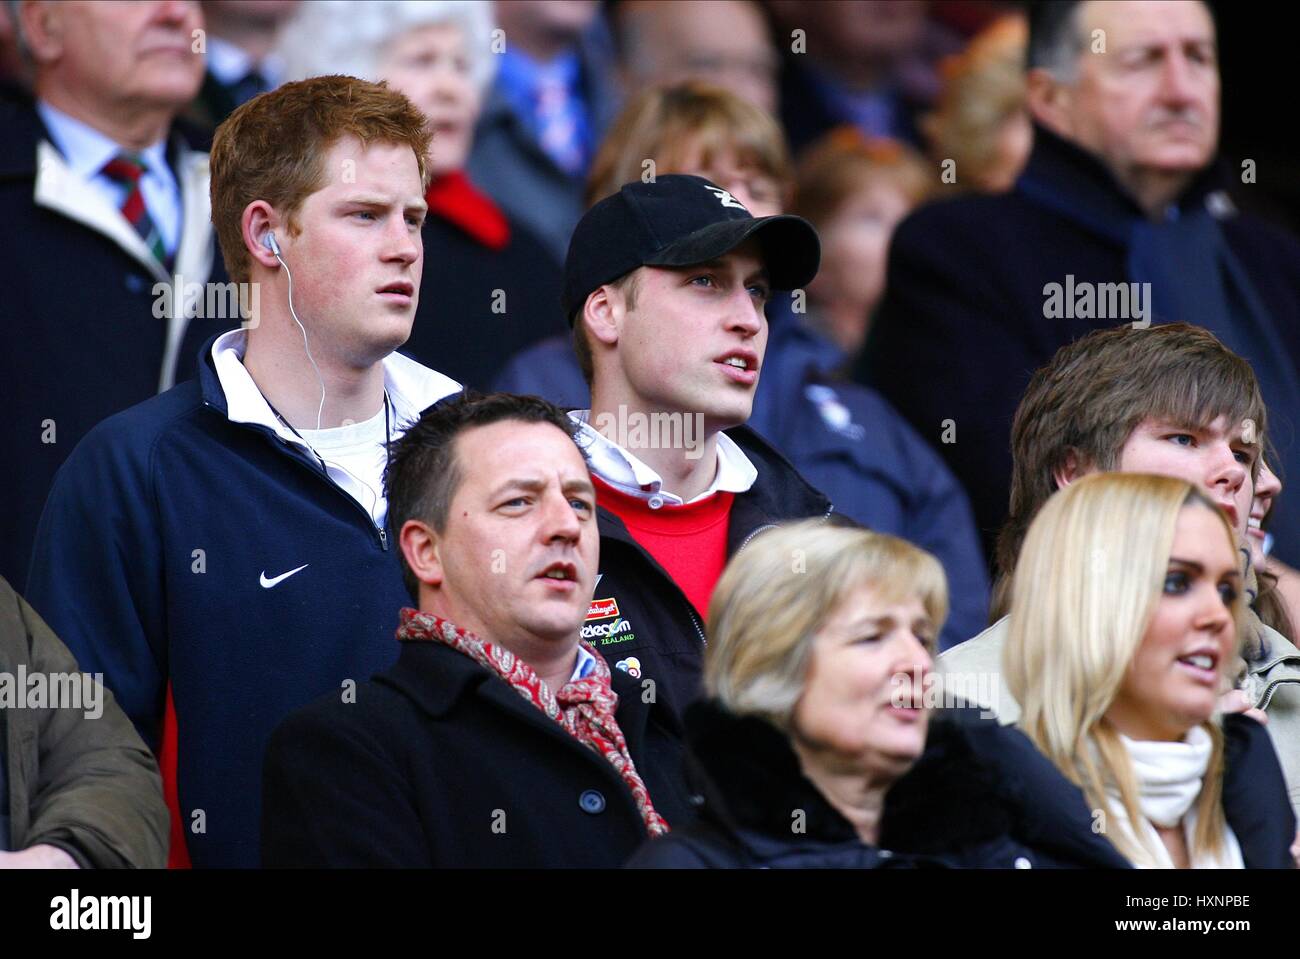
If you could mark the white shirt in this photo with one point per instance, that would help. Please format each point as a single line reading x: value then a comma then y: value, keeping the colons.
x: 87, y: 150
x: 411, y: 389
x: 359, y: 451
x: 230, y: 64
x: 585, y: 664
x: 625, y: 472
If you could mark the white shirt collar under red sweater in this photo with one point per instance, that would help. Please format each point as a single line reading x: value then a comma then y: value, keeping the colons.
x: 625, y: 472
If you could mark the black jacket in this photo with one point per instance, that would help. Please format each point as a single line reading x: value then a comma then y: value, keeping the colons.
x: 439, y: 763
x: 962, y: 326
x: 641, y: 620
x: 953, y: 809
x: 79, y: 337
x: 981, y: 796
x: 480, y: 306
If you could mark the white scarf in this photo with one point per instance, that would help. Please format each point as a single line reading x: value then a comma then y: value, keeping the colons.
x: 1169, y: 778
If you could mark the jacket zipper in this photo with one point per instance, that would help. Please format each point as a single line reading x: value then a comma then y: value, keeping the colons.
x: 317, y: 470
x: 1270, y: 689
x: 741, y: 548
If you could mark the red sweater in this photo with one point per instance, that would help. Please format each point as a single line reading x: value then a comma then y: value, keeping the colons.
x: 689, y: 542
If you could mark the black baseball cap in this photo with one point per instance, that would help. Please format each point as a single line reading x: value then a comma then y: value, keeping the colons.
x: 680, y: 220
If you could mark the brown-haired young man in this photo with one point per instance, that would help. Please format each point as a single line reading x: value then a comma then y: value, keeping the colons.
x: 220, y: 552
x: 1170, y: 400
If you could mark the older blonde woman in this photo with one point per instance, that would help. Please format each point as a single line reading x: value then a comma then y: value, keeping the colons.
x: 816, y: 747
x: 1124, y: 630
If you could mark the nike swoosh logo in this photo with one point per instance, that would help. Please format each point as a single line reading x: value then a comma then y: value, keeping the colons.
x: 268, y: 583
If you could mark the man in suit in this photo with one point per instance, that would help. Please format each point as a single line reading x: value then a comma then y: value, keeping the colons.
x: 105, y: 202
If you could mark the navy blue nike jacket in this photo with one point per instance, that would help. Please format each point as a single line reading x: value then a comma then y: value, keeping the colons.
x: 219, y: 579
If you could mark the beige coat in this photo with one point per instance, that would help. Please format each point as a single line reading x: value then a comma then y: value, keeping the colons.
x: 973, y: 672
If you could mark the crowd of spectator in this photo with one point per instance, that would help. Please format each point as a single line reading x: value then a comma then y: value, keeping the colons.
x: 742, y: 433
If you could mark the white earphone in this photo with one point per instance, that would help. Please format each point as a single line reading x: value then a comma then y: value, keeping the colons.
x: 269, y: 241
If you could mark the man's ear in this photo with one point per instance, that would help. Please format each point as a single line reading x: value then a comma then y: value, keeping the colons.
x: 1050, y: 101
x: 602, y: 313
x: 259, y: 219
x: 419, y: 545
x: 42, y: 29
x: 1069, y: 470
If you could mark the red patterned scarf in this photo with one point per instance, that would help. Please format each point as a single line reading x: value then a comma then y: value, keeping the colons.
x: 584, y: 707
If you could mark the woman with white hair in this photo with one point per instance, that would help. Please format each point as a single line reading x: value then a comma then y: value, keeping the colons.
x: 816, y: 747
x: 489, y: 287
x: 1124, y: 633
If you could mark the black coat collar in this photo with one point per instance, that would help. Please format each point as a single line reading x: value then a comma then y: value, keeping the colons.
x: 1076, y: 184
x: 954, y: 802
x: 435, y: 677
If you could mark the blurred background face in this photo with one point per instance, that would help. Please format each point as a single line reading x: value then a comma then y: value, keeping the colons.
x: 544, y: 23
x: 431, y: 65
x: 759, y: 193
x: 1012, y: 142
x: 267, y: 12
x: 723, y: 42
x: 1177, y: 675
x: 525, y: 506
x: 133, y: 51
x: 1151, y: 101
x: 869, y: 655
x: 862, y: 38
x: 855, y: 248
x: 1267, y: 486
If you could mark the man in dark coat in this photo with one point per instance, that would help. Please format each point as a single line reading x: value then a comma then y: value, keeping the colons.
x: 501, y: 737
x: 90, y: 319
x: 1118, y: 218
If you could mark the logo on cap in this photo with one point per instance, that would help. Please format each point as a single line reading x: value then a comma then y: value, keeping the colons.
x: 725, y: 198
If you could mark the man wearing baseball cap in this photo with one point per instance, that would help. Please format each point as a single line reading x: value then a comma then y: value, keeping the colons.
x: 665, y: 284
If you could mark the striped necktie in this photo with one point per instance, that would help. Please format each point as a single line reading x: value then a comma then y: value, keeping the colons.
x: 126, y: 169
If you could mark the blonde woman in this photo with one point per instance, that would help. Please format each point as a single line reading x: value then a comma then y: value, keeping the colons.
x: 816, y: 748
x: 1124, y: 629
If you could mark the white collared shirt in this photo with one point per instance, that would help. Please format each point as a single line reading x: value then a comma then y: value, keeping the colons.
x: 230, y: 64
x: 87, y: 150
x: 585, y: 664
x: 411, y: 389
x: 628, y: 474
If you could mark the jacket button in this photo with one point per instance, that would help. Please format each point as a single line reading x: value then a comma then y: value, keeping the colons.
x: 591, y: 801
x: 1023, y: 863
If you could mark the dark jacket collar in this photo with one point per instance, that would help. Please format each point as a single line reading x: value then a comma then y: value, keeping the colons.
x: 1255, y: 801
x: 1076, y: 184
x: 953, y: 801
x: 435, y: 678
x: 751, y: 778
